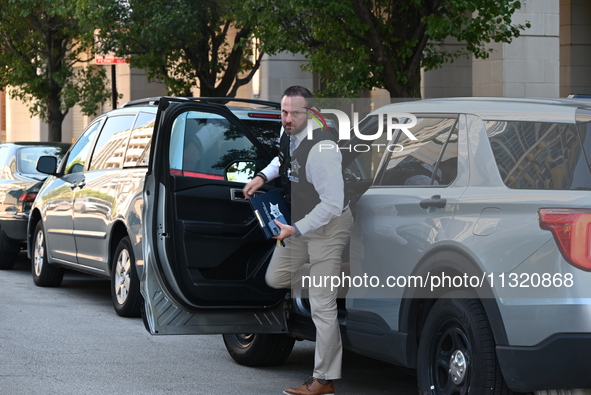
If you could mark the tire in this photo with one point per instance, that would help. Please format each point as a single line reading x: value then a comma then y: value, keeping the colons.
x: 44, y: 274
x: 8, y: 251
x: 259, y: 349
x: 457, y: 349
x: 125, y: 284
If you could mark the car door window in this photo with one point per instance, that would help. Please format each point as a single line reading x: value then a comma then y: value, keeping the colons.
x: 138, y: 149
x: 110, y: 147
x: 266, y: 131
x: 78, y: 155
x: 537, y: 155
x: 429, y: 160
x: 203, y: 145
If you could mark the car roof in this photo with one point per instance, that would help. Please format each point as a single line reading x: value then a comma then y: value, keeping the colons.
x: 37, y: 143
x: 253, y: 103
x: 242, y: 108
x: 496, y: 108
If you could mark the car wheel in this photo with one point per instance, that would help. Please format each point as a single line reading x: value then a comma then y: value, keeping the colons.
x: 8, y: 251
x: 457, y: 349
x: 125, y: 284
x: 259, y: 349
x: 44, y: 274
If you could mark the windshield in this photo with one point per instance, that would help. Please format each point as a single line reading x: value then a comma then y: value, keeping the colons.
x: 27, y: 158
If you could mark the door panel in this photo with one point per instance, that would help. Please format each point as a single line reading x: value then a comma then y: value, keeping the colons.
x: 406, y: 213
x: 57, y: 205
x: 205, y: 257
x: 220, y: 248
x: 93, y: 210
x: 58, y: 219
x: 94, y: 203
x: 163, y: 317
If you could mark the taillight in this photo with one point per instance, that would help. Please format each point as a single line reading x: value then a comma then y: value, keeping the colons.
x: 28, y: 197
x: 572, y: 231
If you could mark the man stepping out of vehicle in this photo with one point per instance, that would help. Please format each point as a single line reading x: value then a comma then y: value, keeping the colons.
x: 320, y: 229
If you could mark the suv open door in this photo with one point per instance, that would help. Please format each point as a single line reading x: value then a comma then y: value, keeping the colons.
x: 204, y: 256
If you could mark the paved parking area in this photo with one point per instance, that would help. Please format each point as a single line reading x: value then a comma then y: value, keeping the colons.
x: 69, y: 340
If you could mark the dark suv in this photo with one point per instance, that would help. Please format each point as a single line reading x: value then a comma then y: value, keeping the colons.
x: 470, y: 257
x: 88, y: 216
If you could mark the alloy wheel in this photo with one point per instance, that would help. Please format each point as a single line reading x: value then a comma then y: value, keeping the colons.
x: 38, y: 253
x: 122, y: 276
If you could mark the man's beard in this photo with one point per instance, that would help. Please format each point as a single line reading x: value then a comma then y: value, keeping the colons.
x: 293, y: 130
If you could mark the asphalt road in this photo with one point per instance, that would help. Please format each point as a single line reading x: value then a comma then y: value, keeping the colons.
x: 69, y: 340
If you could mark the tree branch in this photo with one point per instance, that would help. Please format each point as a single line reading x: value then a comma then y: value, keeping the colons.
x: 233, y: 62
x: 243, y: 81
x: 375, y: 42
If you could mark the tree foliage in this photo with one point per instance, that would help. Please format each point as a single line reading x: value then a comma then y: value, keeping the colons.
x: 183, y: 43
x: 357, y: 45
x: 40, y: 43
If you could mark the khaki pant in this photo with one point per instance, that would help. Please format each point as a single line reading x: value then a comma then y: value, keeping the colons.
x: 322, y: 248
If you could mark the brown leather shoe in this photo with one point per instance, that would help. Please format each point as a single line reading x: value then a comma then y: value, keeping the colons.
x: 311, y: 387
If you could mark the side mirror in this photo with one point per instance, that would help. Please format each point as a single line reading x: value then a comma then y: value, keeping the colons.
x: 240, y: 171
x: 47, y: 165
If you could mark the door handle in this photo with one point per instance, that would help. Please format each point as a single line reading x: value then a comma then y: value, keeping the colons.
x: 80, y: 184
x: 434, y: 201
x: 238, y: 196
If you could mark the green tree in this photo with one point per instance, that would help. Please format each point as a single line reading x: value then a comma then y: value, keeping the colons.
x: 357, y: 45
x: 183, y: 43
x: 41, y: 41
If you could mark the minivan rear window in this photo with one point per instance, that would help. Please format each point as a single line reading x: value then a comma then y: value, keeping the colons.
x: 541, y: 155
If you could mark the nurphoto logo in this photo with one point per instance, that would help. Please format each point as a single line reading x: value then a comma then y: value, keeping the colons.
x: 344, y: 128
x: 388, y: 122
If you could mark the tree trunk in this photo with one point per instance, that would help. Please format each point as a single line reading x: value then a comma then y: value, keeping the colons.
x: 412, y: 88
x: 390, y: 70
x: 55, y: 117
x: 54, y: 121
x: 55, y: 64
x: 204, y: 88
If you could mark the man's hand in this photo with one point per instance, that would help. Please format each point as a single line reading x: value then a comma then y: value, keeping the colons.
x: 252, y: 186
x: 286, y: 231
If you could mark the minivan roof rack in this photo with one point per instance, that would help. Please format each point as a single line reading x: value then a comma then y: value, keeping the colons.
x: 221, y: 100
x: 225, y: 100
x: 143, y: 102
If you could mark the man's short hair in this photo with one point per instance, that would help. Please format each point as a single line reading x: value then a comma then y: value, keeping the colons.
x: 299, y: 91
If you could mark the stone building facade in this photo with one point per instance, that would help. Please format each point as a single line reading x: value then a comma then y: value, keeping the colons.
x: 551, y: 59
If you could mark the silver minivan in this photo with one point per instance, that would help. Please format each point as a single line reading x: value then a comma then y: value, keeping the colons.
x: 88, y: 215
x: 470, y: 259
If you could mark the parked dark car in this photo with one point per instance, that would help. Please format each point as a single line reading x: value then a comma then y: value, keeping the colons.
x: 19, y: 184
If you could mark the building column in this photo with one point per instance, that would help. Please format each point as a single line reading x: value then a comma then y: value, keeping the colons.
x: 529, y: 65
x: 575, y: 47
x: 450, y: 80
x: 2, y: 116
